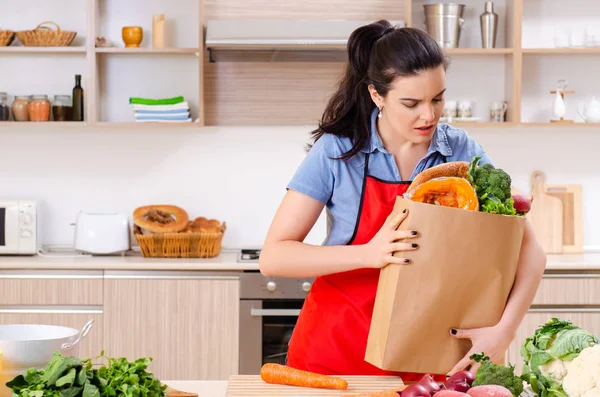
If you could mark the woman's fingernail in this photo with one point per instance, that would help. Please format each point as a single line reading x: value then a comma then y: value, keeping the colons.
x: 453, y: 331
x: 407, y: 261
x: 415, y: 245
x: 404, y: 212
x: 414, y: 233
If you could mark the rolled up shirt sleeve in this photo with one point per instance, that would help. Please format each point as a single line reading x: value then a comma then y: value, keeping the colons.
x: 315, y: 175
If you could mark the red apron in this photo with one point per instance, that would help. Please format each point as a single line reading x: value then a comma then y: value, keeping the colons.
x: 330, y: 336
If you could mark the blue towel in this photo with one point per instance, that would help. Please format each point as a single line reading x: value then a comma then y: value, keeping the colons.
x: 158, y: 112
x: 183, y: 116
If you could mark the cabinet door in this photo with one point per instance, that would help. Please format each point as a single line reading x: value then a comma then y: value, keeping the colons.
x: 588, y: 319
x: 90, y: 346
x: 186, y: 321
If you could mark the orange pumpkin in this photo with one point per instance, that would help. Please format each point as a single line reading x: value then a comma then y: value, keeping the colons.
x: 448, y: 192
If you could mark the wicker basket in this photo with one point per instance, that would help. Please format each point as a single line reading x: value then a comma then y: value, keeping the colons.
x: 180, y: 245
x: 45, y: 37
x: 6, y: 37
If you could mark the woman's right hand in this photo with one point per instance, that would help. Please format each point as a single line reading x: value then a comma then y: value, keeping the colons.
x: 378, y: 252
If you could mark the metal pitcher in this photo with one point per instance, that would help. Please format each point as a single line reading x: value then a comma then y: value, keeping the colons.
x: 444, y: 23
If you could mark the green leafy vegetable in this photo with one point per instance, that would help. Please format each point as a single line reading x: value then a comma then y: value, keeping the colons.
x: 493, y: 374
x: 540, y: 384
x: 493, y: 188
x: 553, y: 345
x: 75, y: 377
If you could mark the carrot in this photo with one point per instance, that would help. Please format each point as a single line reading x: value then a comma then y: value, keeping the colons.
x: 284, y: 375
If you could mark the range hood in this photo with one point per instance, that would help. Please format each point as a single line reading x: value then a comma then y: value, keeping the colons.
x: 278, y: 34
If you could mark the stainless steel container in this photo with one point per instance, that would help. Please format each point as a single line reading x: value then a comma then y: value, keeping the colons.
x: 489, y: 26
x: 444, y: 23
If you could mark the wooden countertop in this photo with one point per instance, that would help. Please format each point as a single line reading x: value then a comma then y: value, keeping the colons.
x: 226, y: 261
x: 204, y: 388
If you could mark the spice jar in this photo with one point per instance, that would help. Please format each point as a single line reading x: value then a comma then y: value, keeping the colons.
x: 19, y: 108
x: 4, y: 109
x: 39, y: 108
x: 62, y: 109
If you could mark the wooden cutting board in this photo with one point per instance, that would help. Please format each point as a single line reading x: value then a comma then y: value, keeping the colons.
x: 253, y: 385
x: 572, y: 235
x: 546, y: 215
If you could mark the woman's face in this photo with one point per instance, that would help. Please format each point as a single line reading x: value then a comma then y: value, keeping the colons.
x: 414, y: 105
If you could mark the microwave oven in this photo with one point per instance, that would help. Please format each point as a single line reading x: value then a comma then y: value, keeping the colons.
x: 18, y: 227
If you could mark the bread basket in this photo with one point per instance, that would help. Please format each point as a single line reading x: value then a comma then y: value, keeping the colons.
x: 6, y: 37
x: 43, y: 36
x: 180, y: 245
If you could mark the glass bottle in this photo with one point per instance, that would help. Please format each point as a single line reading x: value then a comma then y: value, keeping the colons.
x: 4, y: 109
x: 77, y: 99
x: 62, y: 109
x: 39, y: 108
x: 20, y: 109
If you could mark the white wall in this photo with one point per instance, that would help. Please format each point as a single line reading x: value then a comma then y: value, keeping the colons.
x: 235, y: 174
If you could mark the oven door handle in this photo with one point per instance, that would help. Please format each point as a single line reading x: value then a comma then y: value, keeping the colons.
x: 274, y: 312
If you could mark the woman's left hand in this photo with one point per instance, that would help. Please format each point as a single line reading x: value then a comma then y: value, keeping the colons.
x: 491, y: 341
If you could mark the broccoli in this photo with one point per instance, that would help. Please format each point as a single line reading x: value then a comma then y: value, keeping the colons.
x: 492, y: 186
x: 494, y: 374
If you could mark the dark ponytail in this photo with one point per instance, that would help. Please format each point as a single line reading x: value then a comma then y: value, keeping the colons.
x: 377, y: 54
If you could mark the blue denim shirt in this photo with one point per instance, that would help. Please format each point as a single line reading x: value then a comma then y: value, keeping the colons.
x: 338, y: 183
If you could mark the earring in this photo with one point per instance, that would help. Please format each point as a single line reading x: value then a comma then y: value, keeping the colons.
x: 379, y: 115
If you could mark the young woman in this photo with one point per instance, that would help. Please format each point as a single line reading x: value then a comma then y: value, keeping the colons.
x: 379, y: 130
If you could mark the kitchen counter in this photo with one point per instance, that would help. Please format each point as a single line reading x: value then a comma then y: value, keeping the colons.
x: 204, y: 388
x: 226, y: 261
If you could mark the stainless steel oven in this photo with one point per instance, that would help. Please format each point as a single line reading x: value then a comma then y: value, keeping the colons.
x: 269, y: 309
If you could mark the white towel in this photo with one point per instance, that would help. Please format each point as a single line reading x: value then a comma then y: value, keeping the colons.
x: 189, y: 120
x: 181, y: 105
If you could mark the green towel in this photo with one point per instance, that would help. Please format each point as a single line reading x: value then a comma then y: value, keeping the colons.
x: 165, y: 101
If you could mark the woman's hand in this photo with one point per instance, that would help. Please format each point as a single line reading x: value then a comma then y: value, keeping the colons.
x: 379, y: 251
x: 491, y: 341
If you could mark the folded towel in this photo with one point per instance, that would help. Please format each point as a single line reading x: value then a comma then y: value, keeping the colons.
x: 149, y: 101
x: 161, y: 112
x: 162, y: 117
x: 182, y: 105
x: 188, y: 120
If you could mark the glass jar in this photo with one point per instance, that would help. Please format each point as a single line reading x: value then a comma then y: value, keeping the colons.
x: 19, y: 108
x: 62, y: 109
x: 4, y: 109
x: 39, y: 108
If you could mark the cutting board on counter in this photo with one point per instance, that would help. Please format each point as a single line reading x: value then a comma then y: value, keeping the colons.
x: 253, y: 385
x: 556, y: 215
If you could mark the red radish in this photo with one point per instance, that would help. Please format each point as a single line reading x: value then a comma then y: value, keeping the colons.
x: 451, y: 393
x: 462, y: 376
x: 430, y: 384
x: 456, y: 385
x: 489, y: 391
x: 522, y: 204
x: 415, y: 390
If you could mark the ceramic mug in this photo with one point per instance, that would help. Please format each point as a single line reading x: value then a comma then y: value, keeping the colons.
x: 465, y: 109
x: 498, y: 111
x: 132, y: 36
x: 450, y: 109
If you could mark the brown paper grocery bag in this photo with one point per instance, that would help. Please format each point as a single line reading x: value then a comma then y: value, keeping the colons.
x: 459, y: 277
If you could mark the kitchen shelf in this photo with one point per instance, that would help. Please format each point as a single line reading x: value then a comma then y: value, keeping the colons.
x: 125, y: 124
x: 145, y: 51
x: 42, y: 50
x: 562, y: 51
x: 45, y: 124
x: 478, y: 51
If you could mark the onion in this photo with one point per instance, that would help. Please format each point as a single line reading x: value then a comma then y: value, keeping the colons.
x: 460, y: 386
x: 462, y: 376
x: 415, y: 390
x: 430, y: 384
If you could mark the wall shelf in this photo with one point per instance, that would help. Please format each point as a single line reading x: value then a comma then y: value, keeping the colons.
x: 562, y: 51
x: 42, y: 50
x: 154, y: 51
